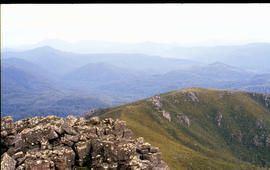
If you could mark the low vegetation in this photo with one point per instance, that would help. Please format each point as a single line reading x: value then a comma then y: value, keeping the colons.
x: 227, y: 129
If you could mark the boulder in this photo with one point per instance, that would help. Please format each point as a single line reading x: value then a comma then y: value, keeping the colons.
x: 82, y: 149
x: 68, y: 129
x: 94, y: 120
x: 38, y: 165
x: 7, y: 162
x: 51, y: 143
x: 128, y: 134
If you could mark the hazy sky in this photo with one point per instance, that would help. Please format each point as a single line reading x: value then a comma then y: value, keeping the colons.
x: 170, y: 23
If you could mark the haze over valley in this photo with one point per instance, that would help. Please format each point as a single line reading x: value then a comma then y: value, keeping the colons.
x: 46, y: 80
x: 135, y: 86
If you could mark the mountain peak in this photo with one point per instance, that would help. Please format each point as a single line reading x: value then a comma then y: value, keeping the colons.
x: 217, y: 63
x: 45, y: 48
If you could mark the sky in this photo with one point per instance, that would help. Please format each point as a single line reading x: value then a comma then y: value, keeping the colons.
x: 209, y: 24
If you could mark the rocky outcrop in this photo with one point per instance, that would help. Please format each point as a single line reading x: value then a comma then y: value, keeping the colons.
x: 266, y: 98
x: 259, y: 124
x: 166, y: 115
x: 219, y: 118
x: 156, y: 102
x: 184, y: 119
x: 267, y: 141
x: 192, y: 96
x: 7, y: 163
x: 158, y: 106
x: 51, y: 143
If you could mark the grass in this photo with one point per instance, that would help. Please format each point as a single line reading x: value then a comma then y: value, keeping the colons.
x: 203, y: 145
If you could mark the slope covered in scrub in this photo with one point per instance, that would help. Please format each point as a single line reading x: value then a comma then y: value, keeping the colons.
x: 200, y: 128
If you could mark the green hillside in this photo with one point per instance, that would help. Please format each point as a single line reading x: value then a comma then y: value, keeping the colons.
x: 203, y: 128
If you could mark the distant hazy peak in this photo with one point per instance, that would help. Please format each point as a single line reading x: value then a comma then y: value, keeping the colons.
x: 44, y: 49
x: 218, y: 64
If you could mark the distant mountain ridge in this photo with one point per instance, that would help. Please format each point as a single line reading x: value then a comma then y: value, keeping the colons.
x: 195, y: 128
x: 100, y: 72
x: 110, y: 79
x: 48, y: 57
x: 248, y: 56
x: 25, y: 92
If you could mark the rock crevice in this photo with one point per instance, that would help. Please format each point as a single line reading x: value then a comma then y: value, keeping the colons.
x: 51, y: 143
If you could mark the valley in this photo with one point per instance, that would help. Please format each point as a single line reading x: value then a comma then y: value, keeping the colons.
x: 156, y: 86
x: 35, y: 80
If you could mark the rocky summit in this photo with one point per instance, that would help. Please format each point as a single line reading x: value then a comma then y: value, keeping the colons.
x: 52, y: 143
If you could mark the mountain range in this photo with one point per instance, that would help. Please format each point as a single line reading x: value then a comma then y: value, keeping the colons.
x: 219, y: 119
x: 34, y: 80
x: 248, y: 56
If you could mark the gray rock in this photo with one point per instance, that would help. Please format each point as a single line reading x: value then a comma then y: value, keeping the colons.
x: 128, y: 134
x: 65, y: 158
x: 183, y: 118
x: 266, y: 99
x: 18, y: 155
x: 82, y: 150
x: 72, y: 138
x: 38, y: 165
x: 192, y: 96
x: 47, y: 143
x: 166, y: 115
x: 7, y: 163
x: 154, y: 149
x: 69, y: 129
x: 219, y: 118
x: 259, y: 124
x: 94, y: 120
x: 66, y: 142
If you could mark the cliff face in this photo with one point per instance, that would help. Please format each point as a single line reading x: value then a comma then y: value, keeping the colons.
x: 51, y: 143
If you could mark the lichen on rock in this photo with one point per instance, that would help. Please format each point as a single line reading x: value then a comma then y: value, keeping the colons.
x: 50, y: 143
